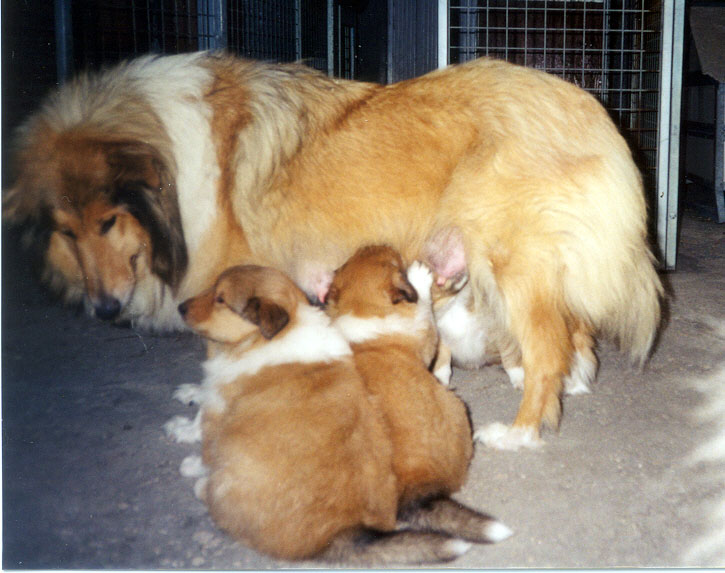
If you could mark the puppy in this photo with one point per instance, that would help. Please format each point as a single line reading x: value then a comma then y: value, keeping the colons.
x: 297, y: 453
x: 386, y: 316
x: 471, y: 338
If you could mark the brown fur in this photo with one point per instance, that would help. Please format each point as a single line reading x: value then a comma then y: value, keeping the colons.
x: 429, y: 425
x: 297, y: 454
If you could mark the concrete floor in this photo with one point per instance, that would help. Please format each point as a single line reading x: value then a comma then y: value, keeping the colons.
x: 90, y: 480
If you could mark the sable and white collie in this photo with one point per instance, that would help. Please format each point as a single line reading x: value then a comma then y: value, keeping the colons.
x: 142, y: 183
x: 299, y: 457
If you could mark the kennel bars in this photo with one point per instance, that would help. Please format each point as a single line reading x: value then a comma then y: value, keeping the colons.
x: 627, y: 53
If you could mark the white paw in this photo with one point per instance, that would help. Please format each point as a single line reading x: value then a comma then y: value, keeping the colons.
x: 502, y: 437
x: 188, y: 393
x: 516, y: 377
x: 582, y: 374
x: 421, y: 277
x: 200, y: 488
x: 193, y: 467
x: 184, y: 430
x: 444, y: 374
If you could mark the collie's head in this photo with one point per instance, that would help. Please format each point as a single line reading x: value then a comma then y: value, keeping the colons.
x: 245, y: 301
x: 98, y: 200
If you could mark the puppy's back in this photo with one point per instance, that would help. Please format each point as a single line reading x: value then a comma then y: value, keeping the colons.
x: 428, y: 424
x: 298, y: 456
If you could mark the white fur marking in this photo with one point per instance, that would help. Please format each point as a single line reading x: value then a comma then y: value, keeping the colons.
x: 421, y: 277
x: 188, y: 393
x: 193, y: 467
x: 516, y: 377
x: 357, y: 330
x: 497, y: 531
x: 502, y: 437
x: 443, y: 374
x: 457, y: 547
x: 312, y: 340
x: 581, y: 375
x: 184, y: 430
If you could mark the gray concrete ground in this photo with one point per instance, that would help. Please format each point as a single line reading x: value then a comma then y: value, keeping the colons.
x: 91, y: 481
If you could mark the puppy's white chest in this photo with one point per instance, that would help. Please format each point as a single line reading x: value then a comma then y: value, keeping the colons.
x: 465, y: 333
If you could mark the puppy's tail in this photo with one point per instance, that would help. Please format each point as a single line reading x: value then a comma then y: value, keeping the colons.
x: 436, y: 531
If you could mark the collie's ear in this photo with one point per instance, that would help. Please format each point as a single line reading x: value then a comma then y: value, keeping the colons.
x: 401, y: 289
x: 270, y: 317
x: 18, y: 205
x: 143, y: 183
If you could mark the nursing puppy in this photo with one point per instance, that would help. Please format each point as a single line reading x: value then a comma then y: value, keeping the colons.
x: 297, y: 454
x: 471, y: 339
x: 141, y: 184
x: 386, y: 316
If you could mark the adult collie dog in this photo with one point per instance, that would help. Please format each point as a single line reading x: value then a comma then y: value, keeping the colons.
x: 142, y: 183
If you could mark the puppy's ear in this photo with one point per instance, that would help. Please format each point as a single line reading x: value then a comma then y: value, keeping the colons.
x: 401, y: 289
x: 270, y: 317
x: 143, y: 183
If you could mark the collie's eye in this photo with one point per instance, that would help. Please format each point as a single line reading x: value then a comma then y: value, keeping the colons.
x: 68, y: 233
x: 107, y: 224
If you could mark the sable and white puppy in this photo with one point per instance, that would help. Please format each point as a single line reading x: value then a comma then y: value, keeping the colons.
x: 471, y: 339
x: 387, y: 318
x: 298, y: 456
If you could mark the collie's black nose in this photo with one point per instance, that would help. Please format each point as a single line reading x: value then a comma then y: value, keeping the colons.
x: 183, y: 307
x: 108, y: 308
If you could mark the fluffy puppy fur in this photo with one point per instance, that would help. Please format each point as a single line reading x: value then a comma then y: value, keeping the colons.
x: 214, y: 161
x: 387, y: 318
x: 469, y: 339
x: 298, y: 457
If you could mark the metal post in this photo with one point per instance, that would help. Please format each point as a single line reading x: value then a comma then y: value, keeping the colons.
x: 330, y: 38
x: 719, y: 175
x: 668, y: 150
x: 442, y: 33
x: 63, y: 40
x: 212, y: 24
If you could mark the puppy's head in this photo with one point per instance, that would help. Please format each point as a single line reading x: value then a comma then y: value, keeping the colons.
x: 246, y: 301
x: 371, y: 283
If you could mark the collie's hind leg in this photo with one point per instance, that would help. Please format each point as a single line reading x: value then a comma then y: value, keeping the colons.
x: 583, y: 368
x: 546, y: 352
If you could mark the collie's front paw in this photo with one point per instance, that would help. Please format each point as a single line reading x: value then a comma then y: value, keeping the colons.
x: 421, y: 277
x: 502, y: 437
x: 184, y: 430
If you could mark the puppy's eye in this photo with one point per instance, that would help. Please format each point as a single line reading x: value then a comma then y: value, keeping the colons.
x: 68, y: 233
x: 107, y: 224
x: 219, y: 298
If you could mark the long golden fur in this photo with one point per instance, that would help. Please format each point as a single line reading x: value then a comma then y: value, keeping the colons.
x: 224, y: 161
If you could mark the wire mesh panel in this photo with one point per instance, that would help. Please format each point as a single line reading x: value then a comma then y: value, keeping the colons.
x: 264, y: 29
x: 610, y: 48
x: 111, y: 30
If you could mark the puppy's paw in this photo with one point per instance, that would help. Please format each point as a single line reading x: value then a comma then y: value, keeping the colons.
x: 193, y: 467
x: 188, y: 394
x: 516, y: 377
x: 184, y: 430
x: 421, y: 277
x: 502, y: 437
x: 443, y: 374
